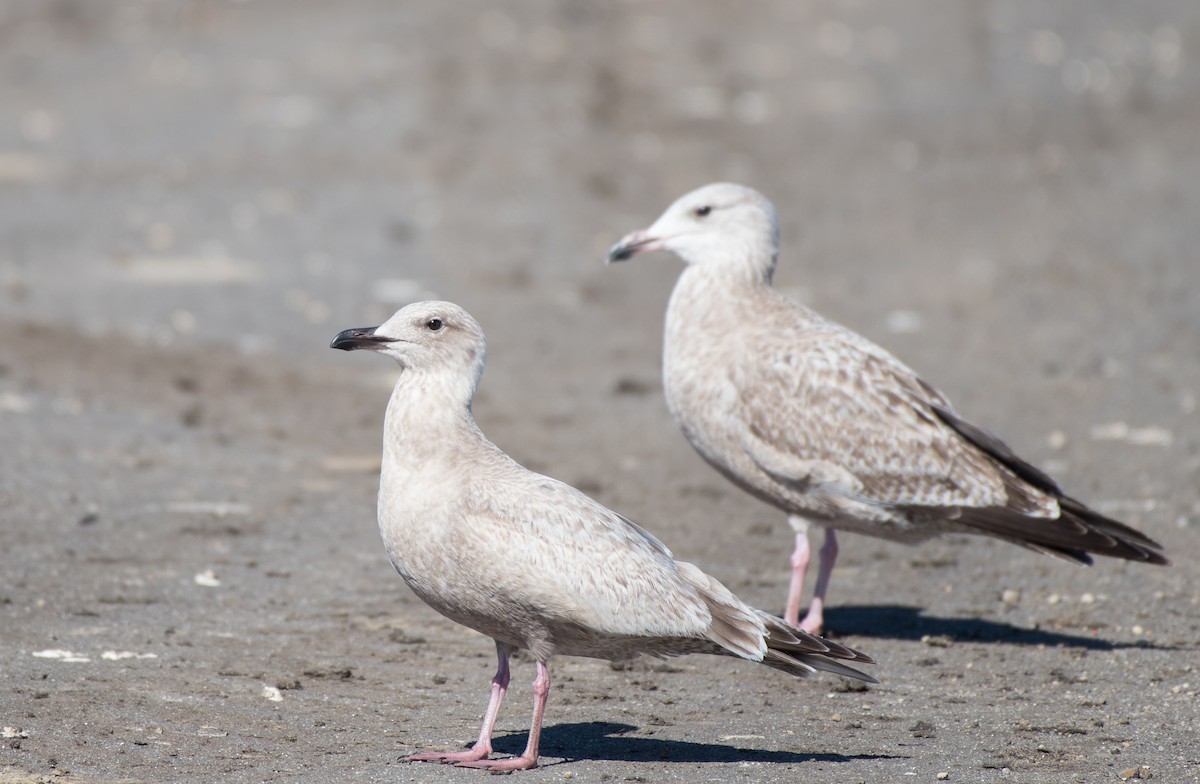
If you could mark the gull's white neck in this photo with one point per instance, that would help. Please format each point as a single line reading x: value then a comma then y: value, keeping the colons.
x: 706, y: 300
x: 705, y: 292
x: 426, y: 410
x: 748, y: 261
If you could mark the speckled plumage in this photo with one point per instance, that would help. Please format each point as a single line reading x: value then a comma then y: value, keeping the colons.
x: 824, y: 424
x: 529, y: 561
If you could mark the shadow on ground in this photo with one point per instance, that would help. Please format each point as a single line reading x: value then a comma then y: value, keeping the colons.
x: 600, y: 740
x: 899, y: 622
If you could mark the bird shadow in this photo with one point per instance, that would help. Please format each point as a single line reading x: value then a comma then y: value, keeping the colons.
x: 900, y: 622
x: 603, y: 740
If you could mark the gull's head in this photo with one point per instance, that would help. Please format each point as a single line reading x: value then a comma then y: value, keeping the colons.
x: 424, y: 336
x: 721, y: 224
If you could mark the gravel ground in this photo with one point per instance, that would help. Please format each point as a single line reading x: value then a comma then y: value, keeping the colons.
x: 196, y: 196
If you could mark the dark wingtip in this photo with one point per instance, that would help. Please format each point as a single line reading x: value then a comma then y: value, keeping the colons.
x: 863, y: 658
x: 1130, y: 543
x: 1076, y: 535
x: 1157, y: 559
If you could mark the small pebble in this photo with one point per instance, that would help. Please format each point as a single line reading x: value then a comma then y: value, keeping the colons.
x: 1053, y: 599
x: 1010, y: 596
x: 943, y: 776
x: 1088, y: 598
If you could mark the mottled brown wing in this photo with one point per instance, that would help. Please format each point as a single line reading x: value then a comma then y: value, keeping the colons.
x: 822, y: 393
x: 830, y: 395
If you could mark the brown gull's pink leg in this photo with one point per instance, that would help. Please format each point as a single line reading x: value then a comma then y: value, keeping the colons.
x: 814, y: 619
x: 483, y: 746
x: 541, y: 690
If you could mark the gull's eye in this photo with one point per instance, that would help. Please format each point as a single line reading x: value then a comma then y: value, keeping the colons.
x: 434, y: 325
x: 700, y: 212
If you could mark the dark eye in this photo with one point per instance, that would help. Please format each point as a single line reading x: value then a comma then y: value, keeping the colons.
x: 702, y: 211
x: 434, y: 325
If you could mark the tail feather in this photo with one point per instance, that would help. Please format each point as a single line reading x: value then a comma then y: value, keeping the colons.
x: 1131, y: 538
x: 1076, y: 532
x: 752, y: 634
x: 798, y: 652
x: 1077, y: 557
x: 802, y: 665
x: 788, y: 638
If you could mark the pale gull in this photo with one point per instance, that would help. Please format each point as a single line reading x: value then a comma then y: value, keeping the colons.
x: 825, y: 425
x: 527, y: 560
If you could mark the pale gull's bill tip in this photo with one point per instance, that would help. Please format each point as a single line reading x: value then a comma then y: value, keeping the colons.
x: 632, y: 244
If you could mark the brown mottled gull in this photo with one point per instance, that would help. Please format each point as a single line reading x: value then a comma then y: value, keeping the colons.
x: 529, y: 561
x: 825, y: 425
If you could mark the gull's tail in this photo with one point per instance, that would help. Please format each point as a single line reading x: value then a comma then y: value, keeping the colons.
x: 752, y: 634
x: 799, y: 653
x: 1076, y: 532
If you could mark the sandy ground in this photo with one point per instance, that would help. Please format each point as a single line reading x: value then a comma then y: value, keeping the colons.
x: 196, y: 196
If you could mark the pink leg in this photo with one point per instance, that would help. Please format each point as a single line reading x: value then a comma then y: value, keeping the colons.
x: 541, y: 690
x: 483, y: 746
x: 814, y: 619
x: 800, y: 559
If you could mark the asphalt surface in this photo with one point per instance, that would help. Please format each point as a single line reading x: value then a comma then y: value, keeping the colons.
x: 196, y: 196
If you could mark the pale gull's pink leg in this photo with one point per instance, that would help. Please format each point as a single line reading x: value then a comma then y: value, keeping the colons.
x: 541, y: 690
x: 814, y: 619
x: 800, y: 559
x: 483, y: 746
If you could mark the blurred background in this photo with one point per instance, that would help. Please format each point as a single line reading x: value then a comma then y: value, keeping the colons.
x: 259, y: 173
